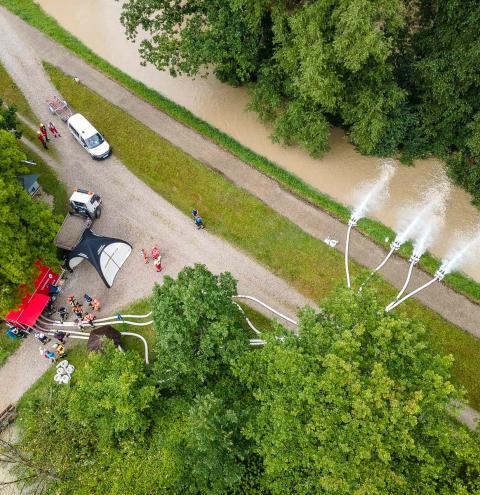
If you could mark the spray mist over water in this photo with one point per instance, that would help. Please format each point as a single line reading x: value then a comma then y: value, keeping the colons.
x: 372, y: 194
x: 422, y: 241
x: 464, y: 250
x: 422, y: 221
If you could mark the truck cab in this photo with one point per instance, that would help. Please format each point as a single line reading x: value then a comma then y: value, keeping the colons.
x: 85, y: 204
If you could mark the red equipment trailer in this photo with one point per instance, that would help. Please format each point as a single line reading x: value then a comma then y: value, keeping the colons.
x: 32, y: 305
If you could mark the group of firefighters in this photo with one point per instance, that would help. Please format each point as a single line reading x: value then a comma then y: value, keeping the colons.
x: 77, y: 308
x: 42, y: 134
x: 156, y: 257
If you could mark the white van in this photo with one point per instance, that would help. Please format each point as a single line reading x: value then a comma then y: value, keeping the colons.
x: 88, y: 137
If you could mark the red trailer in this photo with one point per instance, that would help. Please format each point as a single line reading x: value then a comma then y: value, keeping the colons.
x: 32, y: 305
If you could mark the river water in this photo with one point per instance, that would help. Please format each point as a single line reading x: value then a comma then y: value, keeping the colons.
x: 339, y: 173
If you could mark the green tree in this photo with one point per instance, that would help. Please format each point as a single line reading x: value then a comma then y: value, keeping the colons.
x: 215, y: 448
x: 198, y: 329
x: 118, y: 393
x: 80, y: 432
x: 400, y: 76
x: 357, y: 404
x: 27, y: 228
x: 8, y: 119
x: 225, y: 34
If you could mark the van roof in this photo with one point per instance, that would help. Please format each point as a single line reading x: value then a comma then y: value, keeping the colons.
x: 82, y: 125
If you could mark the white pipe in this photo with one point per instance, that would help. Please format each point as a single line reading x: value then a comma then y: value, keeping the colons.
x: 124, y: 316
x: 249, y: 323
x: 381, y: 265
x: 113, y: 322
x: 102, y: 323
x: 274, y: 311
x: 350, y: 225
x: 407, y: 280
x: 82, y: 335
x: 416, y: 291
x: 144, y: 343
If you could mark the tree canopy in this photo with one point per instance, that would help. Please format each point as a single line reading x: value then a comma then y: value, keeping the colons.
x: 357, y: 403
x: 27, y: 228
x: 198, y: 328
x: 400, y: 76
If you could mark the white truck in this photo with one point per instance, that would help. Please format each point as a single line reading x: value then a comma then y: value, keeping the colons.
x: 84, y: 208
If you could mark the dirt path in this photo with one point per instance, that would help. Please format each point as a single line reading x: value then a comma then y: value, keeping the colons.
x: 452, y: 306
x: 132, y: 212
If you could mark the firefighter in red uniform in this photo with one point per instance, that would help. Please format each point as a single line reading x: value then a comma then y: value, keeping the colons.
x: 41, y: 138
x: 53, y: 130
x: 43, y: 130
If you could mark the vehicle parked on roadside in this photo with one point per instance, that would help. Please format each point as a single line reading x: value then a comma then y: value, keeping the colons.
x: 84, y: 207
x: 84, y: 132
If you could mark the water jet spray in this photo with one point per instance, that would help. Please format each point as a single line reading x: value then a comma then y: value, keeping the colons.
x: 374, y: 193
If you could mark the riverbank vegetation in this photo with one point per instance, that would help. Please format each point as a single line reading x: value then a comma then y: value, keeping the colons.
x: 307, y: 263
x: 36, y: 16
x: 398, y: 76
x: 358, y: 404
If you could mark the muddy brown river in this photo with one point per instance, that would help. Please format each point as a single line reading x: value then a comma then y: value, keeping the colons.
x: 338, y: 173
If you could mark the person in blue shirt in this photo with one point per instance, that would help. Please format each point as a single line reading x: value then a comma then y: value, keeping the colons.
x: 199, y: 222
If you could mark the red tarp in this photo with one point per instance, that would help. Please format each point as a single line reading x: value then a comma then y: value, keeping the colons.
x: 33, y: 304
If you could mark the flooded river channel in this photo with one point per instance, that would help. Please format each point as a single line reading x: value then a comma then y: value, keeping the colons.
x: 338, y: 173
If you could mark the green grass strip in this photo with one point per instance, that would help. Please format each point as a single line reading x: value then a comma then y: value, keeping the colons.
x: 11, y: 95
x: 37, y: 17
x: 7, y: 345
x: 305, y: 262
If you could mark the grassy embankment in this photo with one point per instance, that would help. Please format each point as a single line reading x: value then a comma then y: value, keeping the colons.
x: 37, y: 17
x: 11, y: 95
x: 232, y: 213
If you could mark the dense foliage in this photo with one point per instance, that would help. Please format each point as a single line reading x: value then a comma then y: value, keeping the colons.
x: 398, y: 75
x: 27, y: 227
x: 356, y: 404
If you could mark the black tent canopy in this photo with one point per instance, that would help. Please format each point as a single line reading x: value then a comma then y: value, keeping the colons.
x: 106, y: 254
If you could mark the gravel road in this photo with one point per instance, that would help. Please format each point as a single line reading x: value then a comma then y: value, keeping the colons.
x: 132, y: 212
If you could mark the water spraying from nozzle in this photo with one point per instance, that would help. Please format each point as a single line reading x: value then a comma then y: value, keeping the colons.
x: 372, y: 194
x: 457, y: 258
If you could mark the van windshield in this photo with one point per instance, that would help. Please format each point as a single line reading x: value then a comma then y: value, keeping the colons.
x: 94, y: 141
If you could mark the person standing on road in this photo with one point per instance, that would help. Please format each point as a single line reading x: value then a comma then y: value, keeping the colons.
x: 71, y: 300
x: 53, y: 130
x: 88, y: 318
x: 95, y: 304
x: 157, y: 263
x: 41, y: 138
x: 63, y: 313
x: 199, y: 222
x: 41, y: 337
x: 43, y: 130
x: 78, y: 310
x: 48, y: 354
